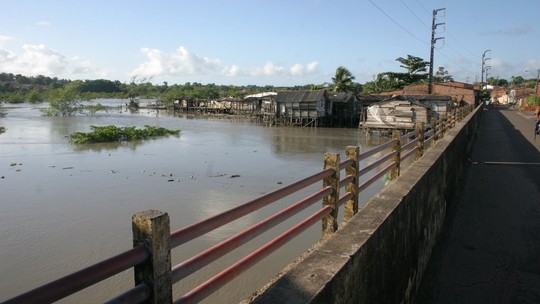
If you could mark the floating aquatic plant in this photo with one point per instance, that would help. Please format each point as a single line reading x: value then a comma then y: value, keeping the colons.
x: 113, y: 133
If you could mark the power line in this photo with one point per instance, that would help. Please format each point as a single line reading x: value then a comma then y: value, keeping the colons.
x: 449, y: 45
x: 397, y: 23
x: 461, y: 45
x: 427, y: 11
x: 412, y: 12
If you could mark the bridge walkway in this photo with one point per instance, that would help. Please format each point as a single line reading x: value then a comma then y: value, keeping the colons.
x: 489, y: 250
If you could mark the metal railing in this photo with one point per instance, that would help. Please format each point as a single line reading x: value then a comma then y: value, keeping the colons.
x: 150, y: 256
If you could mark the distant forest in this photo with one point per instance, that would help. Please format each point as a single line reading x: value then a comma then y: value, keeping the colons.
x: 35, y: 89
x: 16, y: 88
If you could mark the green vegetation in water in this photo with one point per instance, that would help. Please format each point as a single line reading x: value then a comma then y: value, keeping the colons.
x: 113, y: 133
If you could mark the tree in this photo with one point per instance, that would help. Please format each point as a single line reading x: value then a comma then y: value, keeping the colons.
x: 381, y: 83
x: 65, y: 101
x: 416, y: 70
x: 518, y: 80
x: 343, y: 81
x: 442, y: 75
x: 413, y: 64
x: 502, y: 82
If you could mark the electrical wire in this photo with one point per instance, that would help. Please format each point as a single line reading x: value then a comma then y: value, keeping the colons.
x: 414, y: 14
x: 397, y: 23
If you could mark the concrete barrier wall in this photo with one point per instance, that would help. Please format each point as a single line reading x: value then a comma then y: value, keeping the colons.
x: 380, y: 255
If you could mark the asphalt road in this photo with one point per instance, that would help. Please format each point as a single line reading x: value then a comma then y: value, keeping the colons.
x: 489, y: 250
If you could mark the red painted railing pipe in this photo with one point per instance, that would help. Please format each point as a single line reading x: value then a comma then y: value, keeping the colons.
x: 377, y: 149
x: 375, y: 177
x: 409, y: 153
x: 344, y: 198
x: 381, y: 160
x: 197, y: 262
x: 81, y: 279
x: 409, y: 144
x: 347, y: 180
x: 410, y: 134
x: 345, y: 164
x: 216, y: 282
x: 190, y: 232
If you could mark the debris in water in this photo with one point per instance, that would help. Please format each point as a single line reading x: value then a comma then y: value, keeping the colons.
x: 67, y: 168
x: 235, y: 175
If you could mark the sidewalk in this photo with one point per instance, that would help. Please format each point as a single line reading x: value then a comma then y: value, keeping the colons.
x: 489, y: 250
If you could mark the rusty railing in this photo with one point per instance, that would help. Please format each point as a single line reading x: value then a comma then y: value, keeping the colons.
x: 153, y: 240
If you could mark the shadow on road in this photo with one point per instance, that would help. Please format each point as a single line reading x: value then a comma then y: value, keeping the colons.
x: 489, y: 247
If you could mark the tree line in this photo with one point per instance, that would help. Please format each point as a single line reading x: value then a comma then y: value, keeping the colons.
x: 16, y: 88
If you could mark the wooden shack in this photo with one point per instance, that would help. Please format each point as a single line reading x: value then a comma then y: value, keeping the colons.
x: 265, y: 106
x: 343, y: 111
x: 397, y: 112
x: 439, y: 105
x: 301, y: 108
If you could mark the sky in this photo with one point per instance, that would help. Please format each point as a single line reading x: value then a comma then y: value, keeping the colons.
x: 265, y: 42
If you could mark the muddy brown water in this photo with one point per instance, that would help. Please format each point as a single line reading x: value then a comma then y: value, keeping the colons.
x: 64, y: 207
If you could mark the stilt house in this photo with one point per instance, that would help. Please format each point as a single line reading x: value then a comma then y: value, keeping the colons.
x: 398, y: 112
x: 302, y: 108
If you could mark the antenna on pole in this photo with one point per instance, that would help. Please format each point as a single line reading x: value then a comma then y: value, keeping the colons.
x: 434, y: 26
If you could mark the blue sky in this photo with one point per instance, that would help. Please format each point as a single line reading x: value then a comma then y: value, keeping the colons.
x: 263, y: 42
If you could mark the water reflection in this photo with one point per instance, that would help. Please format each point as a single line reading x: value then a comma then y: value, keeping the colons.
x: 75, y: 202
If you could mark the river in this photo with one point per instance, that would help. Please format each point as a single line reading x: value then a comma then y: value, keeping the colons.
x: 64, y: 207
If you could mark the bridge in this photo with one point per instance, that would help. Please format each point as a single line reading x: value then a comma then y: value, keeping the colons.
x: 475, y: 241
x: 460, y: 225
x: 489, y: 248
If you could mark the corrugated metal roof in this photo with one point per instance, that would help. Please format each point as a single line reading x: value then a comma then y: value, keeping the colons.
x: 340, y: 97
x: 261, y: 95
x: 300, y: 96
x: 404, y: 98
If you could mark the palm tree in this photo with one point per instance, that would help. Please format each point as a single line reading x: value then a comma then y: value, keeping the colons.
x: 343, y: 81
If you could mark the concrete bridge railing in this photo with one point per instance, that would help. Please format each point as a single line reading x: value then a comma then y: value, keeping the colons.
x: 379, y: 255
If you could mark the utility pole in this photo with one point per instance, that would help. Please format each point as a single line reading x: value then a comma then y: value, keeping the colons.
x: 433, y: 41
x: 484, y: 67
x: 536, y: 89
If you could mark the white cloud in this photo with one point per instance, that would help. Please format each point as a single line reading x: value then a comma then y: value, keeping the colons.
x: 512, y: 31
x: 43, y: 23
x: 312, y: 67
x: 269, y: 69
x: 43, y: 60
x: 181, y: 62
x: 233, y: 70
x: 36, y: 59
x: 297, y: 69
x: 5, y: 38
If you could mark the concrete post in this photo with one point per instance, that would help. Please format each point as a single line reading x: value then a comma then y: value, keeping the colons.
x: 421, y: 137
x: 444, y: 124
x: 351, y: 206
x: 329, y: 222
x: 152, y: 229
x: 435, y: 131
x: 397, y: 159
